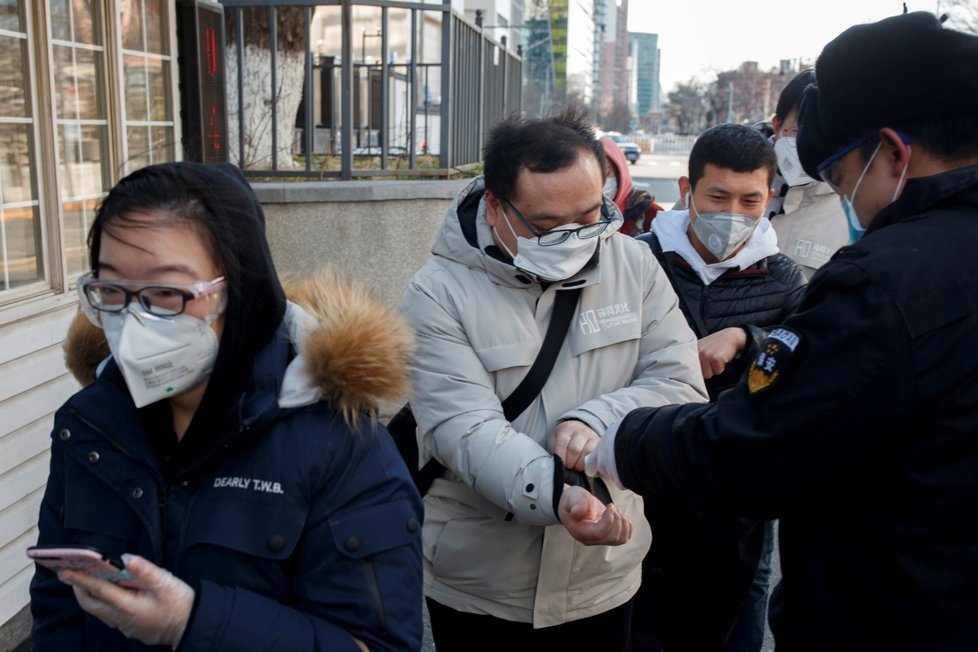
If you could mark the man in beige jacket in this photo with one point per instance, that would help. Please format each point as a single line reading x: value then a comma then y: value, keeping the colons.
x: 512, y: 556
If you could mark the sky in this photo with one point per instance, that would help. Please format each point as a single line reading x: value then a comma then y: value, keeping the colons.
x: 699, y: 37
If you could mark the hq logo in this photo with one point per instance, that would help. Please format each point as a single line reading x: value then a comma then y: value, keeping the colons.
x: 611, y: 316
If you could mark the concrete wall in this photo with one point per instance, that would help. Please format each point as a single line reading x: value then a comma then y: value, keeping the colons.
x: 379, y: 232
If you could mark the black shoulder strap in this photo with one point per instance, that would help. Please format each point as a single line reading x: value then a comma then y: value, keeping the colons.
x: 529, y: 388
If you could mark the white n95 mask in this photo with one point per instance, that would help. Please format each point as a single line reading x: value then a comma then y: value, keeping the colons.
x: 786, y: 150
x: 557, y: 262
x: 160, y: 357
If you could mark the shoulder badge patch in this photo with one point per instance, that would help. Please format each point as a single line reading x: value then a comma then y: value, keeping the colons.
x: 772, y: 362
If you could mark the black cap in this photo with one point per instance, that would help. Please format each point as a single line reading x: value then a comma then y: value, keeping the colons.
x: 885, y: 74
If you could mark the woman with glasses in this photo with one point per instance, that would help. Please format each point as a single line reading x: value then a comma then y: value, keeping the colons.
x: 225, y: 449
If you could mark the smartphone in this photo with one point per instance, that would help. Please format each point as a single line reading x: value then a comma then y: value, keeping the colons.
x: 88, y: 560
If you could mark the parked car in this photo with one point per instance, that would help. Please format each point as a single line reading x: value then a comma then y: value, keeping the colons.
x: 631, y: 151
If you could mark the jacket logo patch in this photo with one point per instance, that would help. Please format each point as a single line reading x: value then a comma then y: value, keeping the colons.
x: 253, y: 484
x: 613, y: 316
x: 773, y: 360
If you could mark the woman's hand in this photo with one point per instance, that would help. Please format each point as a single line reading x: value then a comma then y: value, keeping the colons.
x: 155, y: 615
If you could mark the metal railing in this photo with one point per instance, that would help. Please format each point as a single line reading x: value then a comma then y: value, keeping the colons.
x: 361, y: 116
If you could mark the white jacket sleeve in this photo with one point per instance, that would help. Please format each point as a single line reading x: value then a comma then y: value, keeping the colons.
x: 461, y: 422
x: 668, y: 367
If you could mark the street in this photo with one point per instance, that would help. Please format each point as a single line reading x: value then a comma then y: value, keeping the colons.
x: 658, y: 173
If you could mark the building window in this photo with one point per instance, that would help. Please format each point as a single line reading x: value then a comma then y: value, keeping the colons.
x: 21, y: 241
x: 146, y: 83
x: 106, y: 70
x: 78, y: 60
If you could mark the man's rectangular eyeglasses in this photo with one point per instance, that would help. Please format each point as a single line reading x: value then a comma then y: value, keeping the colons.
x: 560, y: 234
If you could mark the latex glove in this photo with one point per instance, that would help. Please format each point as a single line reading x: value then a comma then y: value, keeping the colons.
x: 156, y: 615
x: 718, y: 349
x: 601, y: 461
x: 590, y: 521
x: 571, y: 440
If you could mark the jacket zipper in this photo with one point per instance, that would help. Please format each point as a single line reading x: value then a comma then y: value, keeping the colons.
x: 375, y: 594
x: 704, y: 304
x: 108, y: 438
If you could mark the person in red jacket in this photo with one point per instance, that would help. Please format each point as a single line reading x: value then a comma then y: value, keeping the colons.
x: 636, y: 205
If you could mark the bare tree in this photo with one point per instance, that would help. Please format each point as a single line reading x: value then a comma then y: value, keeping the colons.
x: 689, y: 106
x: 258, y: 95
x: 962, y: 14
x: 619, y: 118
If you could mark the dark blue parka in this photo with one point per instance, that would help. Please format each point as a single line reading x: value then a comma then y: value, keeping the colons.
x: 297, y: 531
x: 284, y: 506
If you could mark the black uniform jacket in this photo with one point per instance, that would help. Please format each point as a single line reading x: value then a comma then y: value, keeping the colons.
x: 857, y: 426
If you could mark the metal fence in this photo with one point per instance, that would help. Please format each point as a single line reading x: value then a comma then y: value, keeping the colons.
x: 305, y: 99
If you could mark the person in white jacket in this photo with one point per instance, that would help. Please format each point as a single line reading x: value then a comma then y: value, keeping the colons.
x: 805, y: 213
x: 512, y: 555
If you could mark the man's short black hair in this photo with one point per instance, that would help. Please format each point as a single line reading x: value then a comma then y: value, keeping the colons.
x: 537, y: 144
x: 791, y: 95
x: 734, y: 147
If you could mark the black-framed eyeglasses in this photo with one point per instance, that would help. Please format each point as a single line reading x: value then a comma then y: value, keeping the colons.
x: 560, y: 234
x: 158, y: 300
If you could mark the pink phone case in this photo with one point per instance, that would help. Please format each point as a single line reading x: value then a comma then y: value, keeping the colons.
x: 86, y: 560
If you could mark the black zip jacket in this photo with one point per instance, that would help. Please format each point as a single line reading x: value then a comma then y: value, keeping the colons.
x: 762, y: 295
x: 702, y: 562
x: 861, y: 435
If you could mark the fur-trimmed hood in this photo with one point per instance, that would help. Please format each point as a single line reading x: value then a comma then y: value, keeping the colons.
x: 352, y: 350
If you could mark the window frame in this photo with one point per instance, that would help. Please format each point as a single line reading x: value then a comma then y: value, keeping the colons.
x: 55, y: 289
x: 42, y: 286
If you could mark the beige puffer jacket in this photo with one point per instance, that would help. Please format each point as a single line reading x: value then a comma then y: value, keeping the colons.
x: 478, y: 329
x: 813, y: 226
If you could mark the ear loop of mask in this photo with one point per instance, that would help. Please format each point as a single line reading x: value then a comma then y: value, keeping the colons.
x: 903, y: 175
x: 499, y: 238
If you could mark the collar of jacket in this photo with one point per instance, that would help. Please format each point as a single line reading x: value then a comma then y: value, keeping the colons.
x: 808, y: 193
x: 467, y: 227
x: 924, y: 193
x: 760, y: 268
x: 250, y: 414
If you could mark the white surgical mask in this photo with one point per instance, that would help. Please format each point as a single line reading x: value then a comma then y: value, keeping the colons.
x: 160, y: 357
x: 856, y: 229
x: 721, y: 233
x: 610, y: 189
x: 786, y: 149
x: 552, y: 263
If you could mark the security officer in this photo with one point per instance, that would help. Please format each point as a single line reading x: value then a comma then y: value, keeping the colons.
x: 857, y: 423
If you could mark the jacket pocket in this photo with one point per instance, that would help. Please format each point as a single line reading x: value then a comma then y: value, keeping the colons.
x: 256, y: 529
x: 362, y: 536
x: 92, y: 507
x: 491, y: 558
x: 505, y: 356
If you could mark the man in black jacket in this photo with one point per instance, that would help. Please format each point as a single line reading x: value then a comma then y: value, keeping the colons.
x: 857, y: 424
x: 722, y: 258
